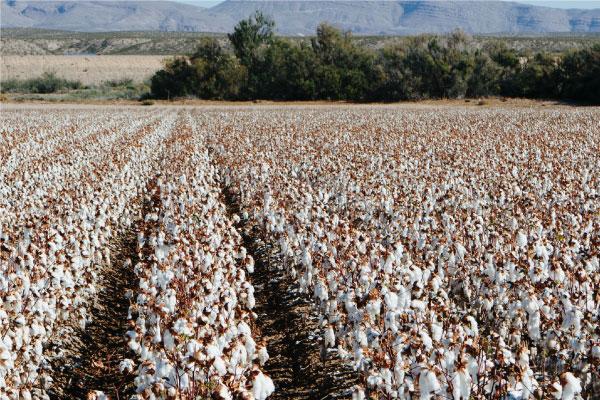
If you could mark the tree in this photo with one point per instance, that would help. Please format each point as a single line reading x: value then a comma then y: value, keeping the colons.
x: 333, y: 66
x: 218, y: 73
x: 177, y: 79
x: 343, y: 69
x: 249, y: 39
x: 288, y: 71
x: 537, y: 78
x: 485, y: 78
x: 579, y: 75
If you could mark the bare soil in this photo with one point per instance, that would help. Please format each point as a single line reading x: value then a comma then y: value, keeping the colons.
x: 288, y: 322
x: 92, y: 357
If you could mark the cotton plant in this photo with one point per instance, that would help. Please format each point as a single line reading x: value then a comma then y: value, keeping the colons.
x: 448, y: 257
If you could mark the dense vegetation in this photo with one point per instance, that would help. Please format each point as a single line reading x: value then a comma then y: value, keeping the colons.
x: 333, y: 66
x: 46, y: 83
x: 50, y: 86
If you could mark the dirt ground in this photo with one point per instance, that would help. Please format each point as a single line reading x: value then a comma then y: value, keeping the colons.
x: 8, y: 103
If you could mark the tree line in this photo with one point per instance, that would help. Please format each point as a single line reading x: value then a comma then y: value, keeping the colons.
x: 332, y: 66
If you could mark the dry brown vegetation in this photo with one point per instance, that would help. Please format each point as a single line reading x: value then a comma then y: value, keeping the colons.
x: 89, y: 70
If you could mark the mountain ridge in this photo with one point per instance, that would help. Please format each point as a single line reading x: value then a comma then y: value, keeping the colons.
x: 298, y: 17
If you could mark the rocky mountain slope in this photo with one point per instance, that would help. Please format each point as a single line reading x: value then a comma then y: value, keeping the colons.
x: 300, y: 17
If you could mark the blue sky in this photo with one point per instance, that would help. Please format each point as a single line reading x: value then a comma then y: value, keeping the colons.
x: 547, y: 3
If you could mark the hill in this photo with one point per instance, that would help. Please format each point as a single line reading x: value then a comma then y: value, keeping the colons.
x: 300, y: 17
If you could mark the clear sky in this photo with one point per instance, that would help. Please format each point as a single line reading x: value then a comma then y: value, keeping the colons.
x: 547, y: 3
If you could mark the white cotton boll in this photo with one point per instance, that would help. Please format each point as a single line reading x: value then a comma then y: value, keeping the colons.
x: 263, y: 355
x: 25, y: 394
x: 436, y: 331
x: 329, y: 337
x: 134, y: 345
x: 387, y: 377
x: 533, y: 326
x: 213, y: 351
x: 182, y: 327
x: 360, y: 336
x: 426, y: 339
x: 184, y: 381
x: 428, y: 384
x: 262, y: 386
x: 556, y: 390
x: 558, y: 275
x: 571, y: 386
x: 419, y: 305
x: 473, y: 327
x: 250, y: 300
x: 596, y: 352
x: 391, y: 300
x: 521, y: 239
x: 358, y: 393
x: 219, y: 366
x: 250, y: 345
x: 250, y: 265
x: 157, y: 338
x: 528, y: 384
x: 224, y: 393
x: 461, y: 385
x: 163, y: 368
x: 373, y: 309
x: 389, y: 264
x: 320, y: 291
x: 170, y: 303
x: 126, y: 365
x: 168, y: 340
x: 490, y: 269
x: 472, y: 368
x: 374, y: 381
x: 460, y: 251
x: 244, y: 329
x: 98, y: 395
x: 5, y: 356
x: 577, y: 317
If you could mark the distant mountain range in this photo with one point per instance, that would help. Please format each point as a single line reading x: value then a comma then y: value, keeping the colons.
x: 300, y: 17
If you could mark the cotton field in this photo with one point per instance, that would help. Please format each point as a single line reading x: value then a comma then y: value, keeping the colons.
x: 436, y: 252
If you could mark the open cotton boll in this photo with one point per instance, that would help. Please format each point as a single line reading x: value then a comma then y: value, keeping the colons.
x: 97, y: 395
x: 329, y: 337
x: 426, y: 340
x: 358, y: 393
x: 168, y: 340
x: 461, y: 385
x: 262, y: 386
x: 263, y: 355
x: 219, y: 366
x: 25, y: 394
x: 5, y: 356
x: 556, y: 390
x: 596, y: 352
x: 571, y: 386
x: 182, y: 327
x: 521, y: 239
x: 223, y: 393
x: 429, y: 384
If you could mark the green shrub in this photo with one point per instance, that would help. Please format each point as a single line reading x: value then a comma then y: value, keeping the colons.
x: 124, y: 82
x: 47, y: 83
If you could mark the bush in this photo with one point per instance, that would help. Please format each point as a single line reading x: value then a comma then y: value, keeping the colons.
x: 47, y: 83
x: 124, y: 82
x: 579, y: 74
